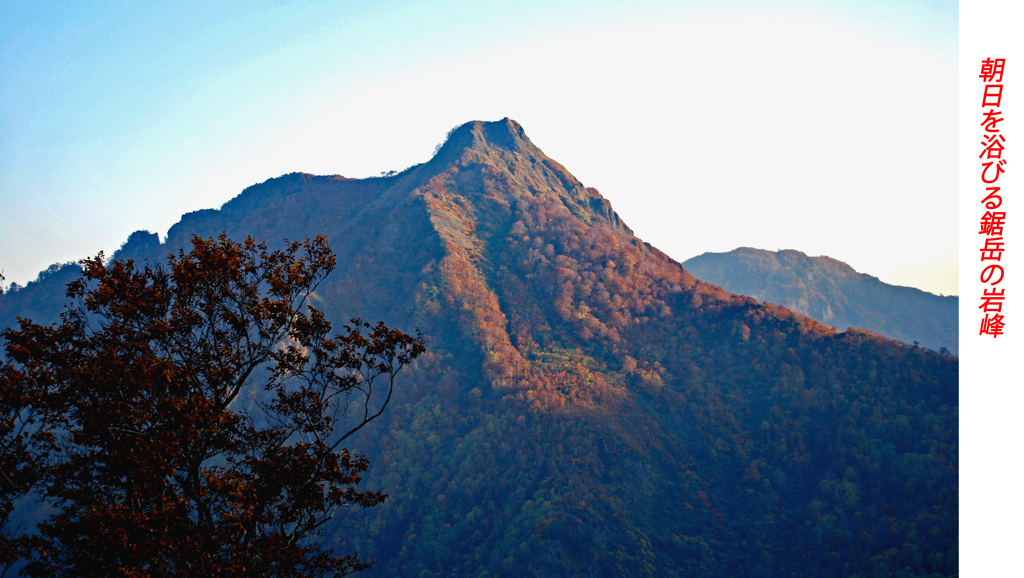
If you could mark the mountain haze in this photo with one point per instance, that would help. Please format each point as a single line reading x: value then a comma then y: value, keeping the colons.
x: 833, y: 293
x: 587, y: 407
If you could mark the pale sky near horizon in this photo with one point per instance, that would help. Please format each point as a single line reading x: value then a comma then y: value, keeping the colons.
x: 825, y: 127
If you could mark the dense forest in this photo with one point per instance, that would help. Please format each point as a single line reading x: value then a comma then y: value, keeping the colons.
x: 832, y: 292
x: 586, y: 406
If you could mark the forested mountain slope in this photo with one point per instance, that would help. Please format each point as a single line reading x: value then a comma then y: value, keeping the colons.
x: 587, y: 407
x: 833, y: 293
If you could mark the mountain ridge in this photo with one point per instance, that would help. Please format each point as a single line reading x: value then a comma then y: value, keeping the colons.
x: 832, y: 292
x: 587, y: 406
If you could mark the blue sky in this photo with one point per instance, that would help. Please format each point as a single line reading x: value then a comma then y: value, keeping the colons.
x: 824, y: 127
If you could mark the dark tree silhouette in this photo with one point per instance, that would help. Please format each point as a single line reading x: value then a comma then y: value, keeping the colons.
x: 187, y: 420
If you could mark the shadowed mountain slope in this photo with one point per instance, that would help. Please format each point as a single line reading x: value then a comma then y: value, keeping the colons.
x: 833, y: 293
x: 587, y: 407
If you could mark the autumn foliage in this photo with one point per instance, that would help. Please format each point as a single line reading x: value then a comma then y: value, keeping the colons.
x: 187, y: 420
x: 587, y: 407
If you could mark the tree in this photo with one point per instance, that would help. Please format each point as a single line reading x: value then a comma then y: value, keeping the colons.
x: 187, y: 420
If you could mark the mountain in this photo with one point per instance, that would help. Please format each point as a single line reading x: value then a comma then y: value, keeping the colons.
x: 831, y: 292
x: 589, y: 408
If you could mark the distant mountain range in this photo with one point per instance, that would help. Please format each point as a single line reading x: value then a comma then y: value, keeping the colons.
x: 587, y: 407
x: 833, y: 293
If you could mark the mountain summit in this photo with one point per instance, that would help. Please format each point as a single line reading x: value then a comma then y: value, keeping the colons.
x: 589, y: 408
